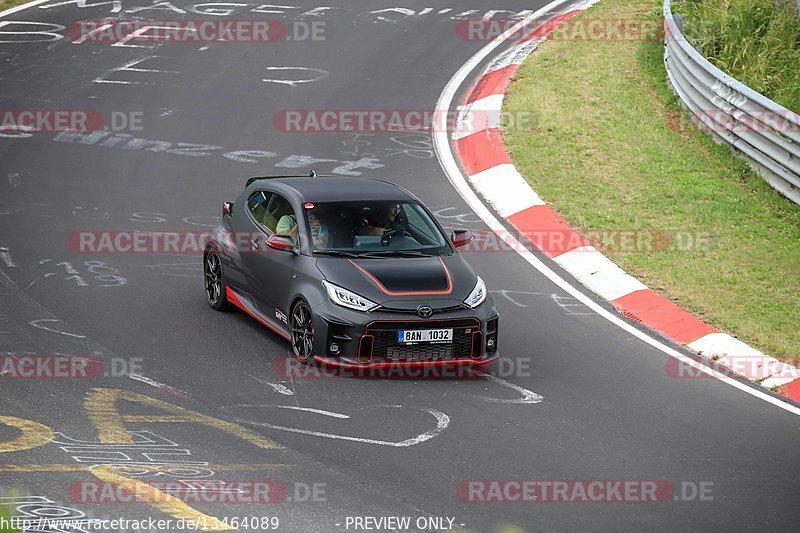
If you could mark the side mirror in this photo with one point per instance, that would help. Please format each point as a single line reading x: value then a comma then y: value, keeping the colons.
x: 282, y: 243
x: 227, y: 208
x: 461, y: 237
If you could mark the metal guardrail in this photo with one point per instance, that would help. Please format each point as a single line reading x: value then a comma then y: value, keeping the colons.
x: 764, y: 132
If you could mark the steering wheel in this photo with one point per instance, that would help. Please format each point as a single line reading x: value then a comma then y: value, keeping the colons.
x: 391, y: 231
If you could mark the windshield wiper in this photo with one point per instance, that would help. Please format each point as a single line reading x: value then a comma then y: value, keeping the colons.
x: 336, y: 253
x: 390, y: 253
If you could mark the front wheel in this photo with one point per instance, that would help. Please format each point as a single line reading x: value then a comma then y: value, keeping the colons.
x: 301, y: 325
x: 215, y: 283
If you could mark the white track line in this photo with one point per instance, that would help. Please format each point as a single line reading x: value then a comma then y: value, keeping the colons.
x: 442, y: 421
x: 528, y: 396
x: 312, y: 410
x: 277, y: 387
x: 151, y: 382
x: 448, y: 163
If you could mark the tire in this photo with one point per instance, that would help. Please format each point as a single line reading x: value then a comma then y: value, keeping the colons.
x: 301, y: 330
x: 214, y: 282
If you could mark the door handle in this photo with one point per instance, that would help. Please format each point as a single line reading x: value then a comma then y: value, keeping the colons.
x: 254, y: 242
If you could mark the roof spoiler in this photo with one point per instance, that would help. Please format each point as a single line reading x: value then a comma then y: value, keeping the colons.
x: 250, y: 181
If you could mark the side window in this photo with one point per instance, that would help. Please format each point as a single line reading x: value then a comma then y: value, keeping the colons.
x: 283, y: 218
x: 257, y: 203
x: 422, y: 228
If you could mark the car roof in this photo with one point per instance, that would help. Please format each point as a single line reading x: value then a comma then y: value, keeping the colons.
x: 332, y: 188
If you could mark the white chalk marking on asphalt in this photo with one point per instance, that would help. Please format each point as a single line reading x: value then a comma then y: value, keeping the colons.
x: 298, y: 408
x: 320, y: 74
x: 37, y: 324
x: 10, y: 208
x: 154, y: 383
x: 400, y: 11
x: 459, y: 182
x: 86, y: 36
x: 528, y: 396
x: 179, y: 266
x: 505, y: 293
x: 211, y: 221
x: 129, y: 67
x: 442, y: 422
x: 151, y: 382
x: 568, y: 302
x: 5, y: 254
x: 277, y: 387
x: 312, y: 410
x: 50, y: 36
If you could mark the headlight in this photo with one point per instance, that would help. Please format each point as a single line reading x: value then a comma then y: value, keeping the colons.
x: 478, y: 294
x: 347, y: 298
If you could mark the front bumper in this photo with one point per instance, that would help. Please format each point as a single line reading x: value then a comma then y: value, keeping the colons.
x: 353, y: 340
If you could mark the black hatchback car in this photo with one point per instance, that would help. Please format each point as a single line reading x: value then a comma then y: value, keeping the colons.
x: 352, y: 272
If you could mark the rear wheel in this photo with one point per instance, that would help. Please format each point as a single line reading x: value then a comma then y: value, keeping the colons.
x: 215, y: 282
x: 301, y: 325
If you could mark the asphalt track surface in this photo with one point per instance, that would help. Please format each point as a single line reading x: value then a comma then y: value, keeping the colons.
x: 576, y: 399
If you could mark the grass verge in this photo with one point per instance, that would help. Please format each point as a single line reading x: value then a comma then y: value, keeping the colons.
x: 8, y: 4
x: 755, y: 41
x: 611, y: 150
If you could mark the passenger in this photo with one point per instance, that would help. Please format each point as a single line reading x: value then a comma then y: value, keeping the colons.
x: 320, y: 235
x: 287, y: 225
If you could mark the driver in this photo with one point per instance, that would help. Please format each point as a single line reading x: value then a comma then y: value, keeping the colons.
x: 320, y: 233
x: 380, y: 220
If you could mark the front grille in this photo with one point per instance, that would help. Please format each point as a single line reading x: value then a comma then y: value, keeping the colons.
x: 420, y: 353
x: 436, y: 310
x: 385, y: 343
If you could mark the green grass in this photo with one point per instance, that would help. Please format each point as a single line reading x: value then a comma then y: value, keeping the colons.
x: 8, y: 4
x: 609, y: 153
x: 5, y: 514
x: 755, y: 41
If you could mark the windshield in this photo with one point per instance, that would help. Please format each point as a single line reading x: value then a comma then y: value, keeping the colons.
x: 374, y: 228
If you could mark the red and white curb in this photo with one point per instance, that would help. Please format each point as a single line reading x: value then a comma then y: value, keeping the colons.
x: 488, y: 167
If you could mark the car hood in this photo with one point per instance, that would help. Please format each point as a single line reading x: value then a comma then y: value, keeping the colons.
x: 403, y: 282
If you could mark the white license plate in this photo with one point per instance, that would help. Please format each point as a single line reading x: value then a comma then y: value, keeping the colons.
x: 405, y: 336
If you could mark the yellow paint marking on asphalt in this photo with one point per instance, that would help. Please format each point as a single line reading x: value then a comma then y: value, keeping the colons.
x: 85, y: 468
x: 101, y: 404
x: 33, y: 434
x: 160, y: 500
